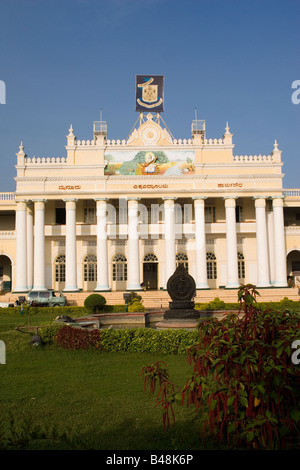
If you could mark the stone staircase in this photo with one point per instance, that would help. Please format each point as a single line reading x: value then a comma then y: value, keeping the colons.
x: 160, y: 299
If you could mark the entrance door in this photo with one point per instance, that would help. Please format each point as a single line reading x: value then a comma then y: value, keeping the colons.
x: 150, y: 276
x: 5, y: 274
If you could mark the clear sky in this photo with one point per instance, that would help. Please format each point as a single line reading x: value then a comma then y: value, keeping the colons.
x: 234, y: 60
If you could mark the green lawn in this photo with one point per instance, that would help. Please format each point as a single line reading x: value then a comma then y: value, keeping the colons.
x: 97, y: 399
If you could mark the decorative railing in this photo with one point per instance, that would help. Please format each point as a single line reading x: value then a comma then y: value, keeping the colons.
x: 291, y: 192
x: 5, y: 234
x: 45, y: 160
x: 253, y: 158
x: 7, y: 196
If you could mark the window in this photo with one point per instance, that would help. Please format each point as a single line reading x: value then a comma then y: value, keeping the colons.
x: 119, y: 268
x: 239, y: 214
x: 44, y: 295
x: 210, y: 214
x: 241, y: 266
x: 89, y: 215
x: 211, y: 266
x: 182, y: 258
x: 90, y: 268
x: 150, y: 258
x: 60, y: 269
x: 60, y: 215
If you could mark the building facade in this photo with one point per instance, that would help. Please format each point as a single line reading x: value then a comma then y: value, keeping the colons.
x: 121, y: 214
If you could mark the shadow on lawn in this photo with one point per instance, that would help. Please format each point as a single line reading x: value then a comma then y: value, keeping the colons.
x: 129, y: 435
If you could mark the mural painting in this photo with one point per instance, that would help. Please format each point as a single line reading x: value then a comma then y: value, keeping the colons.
x: 125, y: 162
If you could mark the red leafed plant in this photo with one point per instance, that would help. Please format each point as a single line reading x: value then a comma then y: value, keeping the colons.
x: 69, y: 337
x: 244, y: 384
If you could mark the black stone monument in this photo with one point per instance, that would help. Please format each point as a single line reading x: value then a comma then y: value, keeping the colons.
x: 182, y: 289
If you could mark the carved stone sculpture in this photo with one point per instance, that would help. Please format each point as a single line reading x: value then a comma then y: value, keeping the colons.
x: 181, y: 288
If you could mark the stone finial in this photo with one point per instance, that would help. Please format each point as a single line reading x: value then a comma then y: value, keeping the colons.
x: 21, y: 155
x: 227, y: 136
x: 21, y: 149
x: 276, y: 152
x: 71, y: 131
x: 71, y: 137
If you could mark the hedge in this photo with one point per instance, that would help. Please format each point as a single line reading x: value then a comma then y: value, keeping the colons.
x: 124, y: 340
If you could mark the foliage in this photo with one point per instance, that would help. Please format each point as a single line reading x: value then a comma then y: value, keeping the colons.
x: 69, y: 337
x: 134, y: 297
x: 49, y: 332
x: 127, y: 339
x: 94, y: 303
x: 244, y: 384
x: 136, y: 306
x: 215, y: 304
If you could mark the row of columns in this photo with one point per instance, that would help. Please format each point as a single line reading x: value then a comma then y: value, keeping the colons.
x: 31, y: 244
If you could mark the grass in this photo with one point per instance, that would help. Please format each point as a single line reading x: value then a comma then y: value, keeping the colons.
x: 57, y: 399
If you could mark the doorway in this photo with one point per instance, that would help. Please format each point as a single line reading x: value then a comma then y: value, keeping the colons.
x: 150, y: 271
x: 5, y: 274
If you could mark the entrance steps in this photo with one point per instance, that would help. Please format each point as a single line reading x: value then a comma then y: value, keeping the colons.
x: 157, y: 299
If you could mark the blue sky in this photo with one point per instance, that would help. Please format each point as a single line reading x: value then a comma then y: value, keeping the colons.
x: 234, y: 60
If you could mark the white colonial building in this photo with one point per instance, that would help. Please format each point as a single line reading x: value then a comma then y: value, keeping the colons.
x: 115, y: 215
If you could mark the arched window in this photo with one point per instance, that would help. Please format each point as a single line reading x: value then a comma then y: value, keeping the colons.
x: 211, y: 266
x: 60, y: 269
x: 119, y: 268
x: 182, y: 258
x: 90, y: 268
x: 150, y: 258
x: 241, y: 266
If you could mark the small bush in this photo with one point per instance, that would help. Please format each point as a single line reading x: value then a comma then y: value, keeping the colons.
x: 94, y: 303
x: 69, y: 337
x: 136, y: 306
x: 48, y: 333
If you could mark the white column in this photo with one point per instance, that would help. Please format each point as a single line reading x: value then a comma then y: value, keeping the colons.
x: 200, y: 242
x: 102, y: 255
x: 71, y: 258
x: 263, y: 273
x: 30, y: 246
x: 39, y: 277
x: 134, y: 282
x: 170, y: 251
x: 279, y: 244
x: 271, y: 245
x: 231, y: 243
x: 21, y: 268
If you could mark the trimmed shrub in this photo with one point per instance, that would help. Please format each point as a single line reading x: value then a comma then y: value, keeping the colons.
x: 127, y: 339
x: 48, y: 333
x: 136, y: 306
x: 94, y: 303
x: 69, y: 337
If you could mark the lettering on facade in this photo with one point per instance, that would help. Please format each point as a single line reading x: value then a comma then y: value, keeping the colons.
x: 230, y: 185
x: 150, y: 186
x: 68, y: 188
